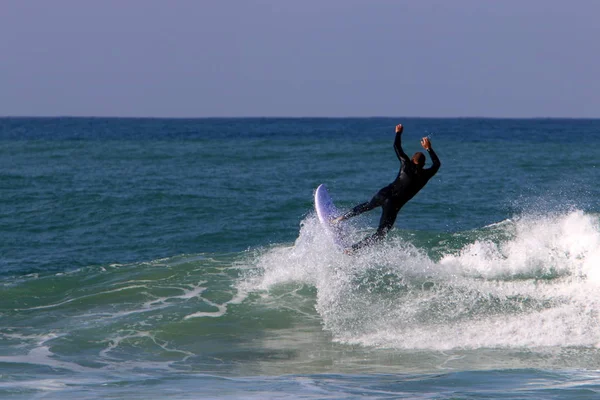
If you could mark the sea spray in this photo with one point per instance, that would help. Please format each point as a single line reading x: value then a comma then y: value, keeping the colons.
x: 526, y: 282
x: 539, y: 246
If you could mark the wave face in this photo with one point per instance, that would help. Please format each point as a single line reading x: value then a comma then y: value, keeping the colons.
x: 518, y: 293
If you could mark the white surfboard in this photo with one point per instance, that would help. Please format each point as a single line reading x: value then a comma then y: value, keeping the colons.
x: 326, y: 211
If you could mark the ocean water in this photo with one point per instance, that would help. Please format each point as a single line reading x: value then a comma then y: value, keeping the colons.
x: 151, y: 258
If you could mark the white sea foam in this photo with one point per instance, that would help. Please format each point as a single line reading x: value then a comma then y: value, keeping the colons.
x: 221, y: 308
x: 562, y: 244
x: 115, y: 342
x: 40, y: 353
x: 536, y: 287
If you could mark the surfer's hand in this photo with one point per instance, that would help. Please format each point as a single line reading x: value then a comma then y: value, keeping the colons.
x: 399, y: 128
x: 426, y: 143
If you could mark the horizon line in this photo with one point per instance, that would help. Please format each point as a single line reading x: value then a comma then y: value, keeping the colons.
x: 279, y: 117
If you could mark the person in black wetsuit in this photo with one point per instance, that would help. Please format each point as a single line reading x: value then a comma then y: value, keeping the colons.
x: 411, y: 178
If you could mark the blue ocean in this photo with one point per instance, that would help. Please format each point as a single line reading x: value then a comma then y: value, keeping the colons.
x: 182, y: 259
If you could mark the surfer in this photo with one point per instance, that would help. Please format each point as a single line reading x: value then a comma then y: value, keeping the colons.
x: 411, y: 178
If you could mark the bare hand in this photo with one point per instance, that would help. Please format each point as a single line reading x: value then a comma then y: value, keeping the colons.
x: 426, y: 143
x: 399, y: 128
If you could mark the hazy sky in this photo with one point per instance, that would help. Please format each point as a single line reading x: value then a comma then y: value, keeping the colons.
x: 509, y: 58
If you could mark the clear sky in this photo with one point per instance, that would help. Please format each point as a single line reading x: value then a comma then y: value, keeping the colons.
x: 204, y: 58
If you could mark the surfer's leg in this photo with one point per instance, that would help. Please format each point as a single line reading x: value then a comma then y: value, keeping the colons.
x: 375, y: 202
x: 361, y: 208
x: 389, y: 212
x: 388, y: 218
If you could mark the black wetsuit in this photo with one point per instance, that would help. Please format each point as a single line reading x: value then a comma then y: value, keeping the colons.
x: 391, y: 198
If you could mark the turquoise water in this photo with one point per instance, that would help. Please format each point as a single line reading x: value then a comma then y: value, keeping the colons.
x: 148, y: 258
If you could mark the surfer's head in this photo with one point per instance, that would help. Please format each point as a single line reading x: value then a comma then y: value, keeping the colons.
x: 419, y: 159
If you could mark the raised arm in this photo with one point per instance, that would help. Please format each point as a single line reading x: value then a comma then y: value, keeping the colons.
x: 426, y: 143
x: 398, y: 145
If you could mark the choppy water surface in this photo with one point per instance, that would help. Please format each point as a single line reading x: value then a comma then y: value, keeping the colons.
x: 181, y: 258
